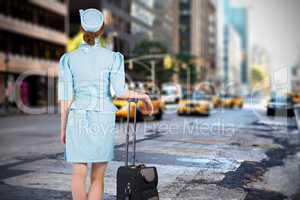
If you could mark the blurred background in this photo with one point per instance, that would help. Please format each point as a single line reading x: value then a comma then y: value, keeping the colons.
x: 238, y: 46
x: 223, y: 75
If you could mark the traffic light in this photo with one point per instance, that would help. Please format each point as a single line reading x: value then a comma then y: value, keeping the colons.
x: 168, y: 63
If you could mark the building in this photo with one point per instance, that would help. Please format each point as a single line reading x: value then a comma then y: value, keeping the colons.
x: 130, y: 21
x: 166, y: 24
x: 143, y: 9
x: 161, y: 19
x: 33, y: 36
x: 232, y: 60
x: 185, y: 26
x: 237, y: 16
x: 197, y: 34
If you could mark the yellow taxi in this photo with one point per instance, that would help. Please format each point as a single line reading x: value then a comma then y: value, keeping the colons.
x: 216, y: 101
x: 295, y: 97
x: 141, y: 112
x: 195, y: 104
x: 232, y: 101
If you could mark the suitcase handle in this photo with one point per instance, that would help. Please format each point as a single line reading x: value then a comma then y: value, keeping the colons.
x: 130, y: 100
x: 135, y: 100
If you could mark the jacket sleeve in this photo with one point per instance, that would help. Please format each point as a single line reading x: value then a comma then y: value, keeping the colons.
x: 65, y: 79
x: 117, y: 75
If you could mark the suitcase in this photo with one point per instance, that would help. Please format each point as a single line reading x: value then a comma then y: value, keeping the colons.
x: 136, y: 182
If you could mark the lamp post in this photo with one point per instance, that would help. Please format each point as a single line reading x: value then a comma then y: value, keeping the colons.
x: 6, y: 61
x: 153, y: 71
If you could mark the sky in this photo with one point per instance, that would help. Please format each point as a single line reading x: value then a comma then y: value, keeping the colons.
x: 275, y: 26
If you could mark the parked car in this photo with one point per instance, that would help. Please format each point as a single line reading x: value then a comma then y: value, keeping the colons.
x: 280, y: 104
x: 141, y: 113
x: 195, y: 104
x: 171, y: 92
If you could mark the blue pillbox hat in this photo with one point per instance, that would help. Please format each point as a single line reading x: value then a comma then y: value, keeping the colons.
x: 91, y: 19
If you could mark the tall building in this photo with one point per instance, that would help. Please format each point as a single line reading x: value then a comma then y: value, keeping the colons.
x: 117, y: 20
x: 143, y: 10
x: 197, y: 34
x: 185, y: 26
x: 161, y: 19
x: 166, y: 24
x: 232, y: 60
x: 33, y: 35
x: 237, y: 16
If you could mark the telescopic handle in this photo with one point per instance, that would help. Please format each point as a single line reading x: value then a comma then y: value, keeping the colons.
x: 134, y: 132
x: 127, y: 134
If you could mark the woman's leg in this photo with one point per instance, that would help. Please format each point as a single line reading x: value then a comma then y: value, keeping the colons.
x: 78, y: 181
x: 97, y: 181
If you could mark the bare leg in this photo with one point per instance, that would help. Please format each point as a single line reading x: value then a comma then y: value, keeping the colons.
x: 97, y: 181
x: 78, y: 181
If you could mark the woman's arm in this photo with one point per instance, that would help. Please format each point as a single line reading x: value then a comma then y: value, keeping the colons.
x: 64, y: 108
x: 141, y: 96
x: 134, y: 94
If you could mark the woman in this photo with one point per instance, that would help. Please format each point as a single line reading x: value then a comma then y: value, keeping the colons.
x: 87, y: 113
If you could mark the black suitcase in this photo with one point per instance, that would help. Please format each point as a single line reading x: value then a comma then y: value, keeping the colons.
x: 136, y: 182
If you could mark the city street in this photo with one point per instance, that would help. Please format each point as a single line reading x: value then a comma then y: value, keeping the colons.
x: 232, y: 154
x: 221, y: 78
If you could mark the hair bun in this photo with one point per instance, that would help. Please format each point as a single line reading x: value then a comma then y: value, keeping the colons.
x: 89, y: 37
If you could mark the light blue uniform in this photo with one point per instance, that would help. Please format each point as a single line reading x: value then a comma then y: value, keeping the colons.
x: 85, y: 76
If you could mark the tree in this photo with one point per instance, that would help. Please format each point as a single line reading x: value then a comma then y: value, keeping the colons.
x: 187, y: 70
x: 259, y: 78
x: 147, y: 47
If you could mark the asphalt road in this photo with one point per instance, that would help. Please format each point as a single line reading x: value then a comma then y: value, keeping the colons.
x: 232, y: 154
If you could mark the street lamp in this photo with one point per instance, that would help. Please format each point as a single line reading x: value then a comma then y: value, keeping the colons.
x: 153, y: 71
x: 6, y: 62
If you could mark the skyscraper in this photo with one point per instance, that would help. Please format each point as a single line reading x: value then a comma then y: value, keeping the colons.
x: 197, y: 34
x: 161, y: 20
x: 237, y: 17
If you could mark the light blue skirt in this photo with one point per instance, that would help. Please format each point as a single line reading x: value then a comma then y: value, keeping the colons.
x: 89, y: 136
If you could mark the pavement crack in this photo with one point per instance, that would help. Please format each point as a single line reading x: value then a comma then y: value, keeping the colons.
x: 252, y: 171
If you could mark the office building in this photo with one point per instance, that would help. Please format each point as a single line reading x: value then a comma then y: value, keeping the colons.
x: 232, y: 60
x: 160, y: 20
x: 237, y: 17
x: 197, y: 33
x: 33, y: 36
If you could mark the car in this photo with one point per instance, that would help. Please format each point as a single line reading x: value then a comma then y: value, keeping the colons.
x: 195, y: 104
x: 141, y: 113
x: 233, y: 101
x: 216, y: 101
x: 295, y: 97
x: 171, y: 92
x: 280, y: 104
x: 238, y: 101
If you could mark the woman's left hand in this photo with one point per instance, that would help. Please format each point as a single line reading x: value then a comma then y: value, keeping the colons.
x: 148, y: 105
x: 63, y: 137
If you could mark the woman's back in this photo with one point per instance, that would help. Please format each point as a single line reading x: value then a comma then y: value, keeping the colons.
x: 88, y: 73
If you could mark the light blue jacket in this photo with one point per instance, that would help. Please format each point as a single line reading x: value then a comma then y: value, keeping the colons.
x: 86, y: 76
